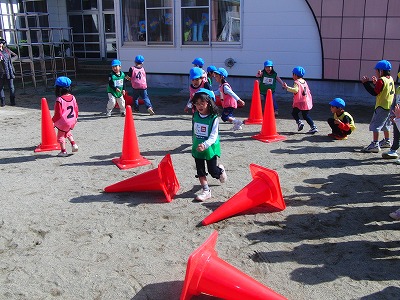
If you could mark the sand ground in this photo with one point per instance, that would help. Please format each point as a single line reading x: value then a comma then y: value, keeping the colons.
x: 62, y: 237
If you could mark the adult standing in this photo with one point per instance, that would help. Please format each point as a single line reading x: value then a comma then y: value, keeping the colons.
x: 7, y: 72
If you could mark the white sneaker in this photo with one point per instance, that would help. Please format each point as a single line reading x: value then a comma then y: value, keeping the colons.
x: 372, y: 148
x: 75, y: 148
x: 223, y: 177
x: 237, y: 125
x: 313, y: 130
x: 151, y: 111
x: 385, y: 143
x: 108, y: 114
x: 204, y: 195
x: 390, y: 154
x: 300, y: 126
x: 62, y: 154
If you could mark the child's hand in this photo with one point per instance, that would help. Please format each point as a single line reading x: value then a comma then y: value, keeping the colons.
x: 186, y: 109
x: 337, y: 121
x: 127, y: 78
x: 241, y: 103
x: 364, y: 79
x: 284, y: 85
x: 259, y: 73
x: 123, y: 92
x: 201, y: 148
x: 397, y: 111
x: 374, y: 79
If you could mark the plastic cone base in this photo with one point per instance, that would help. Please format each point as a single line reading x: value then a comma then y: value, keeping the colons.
x: 256, y: 115
x: 207, y: 274
x: 49, y: 138
x: 161, y: 179
x: 263, y: 189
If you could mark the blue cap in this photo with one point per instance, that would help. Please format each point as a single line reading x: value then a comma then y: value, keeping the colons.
x: 195, y: 73
x: 383, y: 65
x: 299, y: 71
x: 222, y: 72
x: 338, y: 102
x: 208, y: 92
x: 211, y: 69
x: 268, y: 63
x: 63, y: 82
x: 115, y: 62
x: 139, y: 59
x: 198, y: 61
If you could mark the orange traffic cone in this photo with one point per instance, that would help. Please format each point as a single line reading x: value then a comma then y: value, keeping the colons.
x: 49, y: 138
x: 130, y: 157
x: 163, y: 178
x: 255, y: 116
x: 207, y: 274
x: 268, y: 129
x: 264, y: 189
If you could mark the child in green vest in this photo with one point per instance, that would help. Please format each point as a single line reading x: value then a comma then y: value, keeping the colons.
x: 206, y: 145
x: 115, y: 88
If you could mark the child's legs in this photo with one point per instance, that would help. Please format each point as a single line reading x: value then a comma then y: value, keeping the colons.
x: 213, y: 168
x: 111, y: 102
x: 307, y: 118
x: 135, y: 96
x: 396, y: 136
x: 227, y: 114
x: 295, y: 114
x: 334, y: 127
x: 146, y: 99
x: 70, y: 137
x: 121, y: 103
x: 201, y: 171
x: 61, y: 139
x: 380, y: 122
x: 274, y: 102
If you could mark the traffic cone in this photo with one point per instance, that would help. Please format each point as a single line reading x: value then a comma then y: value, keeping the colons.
x: 163, y: 178
x: 268, y: 132
x: 207, y: 274
x: 130, y: 157
x: 49, y: 138
x: 263, y: 189
x: 256, y: 115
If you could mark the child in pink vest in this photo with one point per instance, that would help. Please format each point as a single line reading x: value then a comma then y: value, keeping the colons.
x: 65, y: 114
x: 197, y: 83
x: 302, y: 100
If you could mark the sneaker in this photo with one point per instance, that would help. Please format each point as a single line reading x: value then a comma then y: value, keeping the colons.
x: 395, y: 215
x: 62, y: 154
x: 276, y: 113
x: 223, y: 177
x: 313, y: 130
x: 385, y: 143
x: 123, y: 114
x: 204, y: 195
x: 372, y: 148
x: 390, y: 154
x: 237, y: 125
x: 397, y: 162
x: 151, y: 111
x: 300, y: 126
x: 74, y: 148
x: 108, y: 114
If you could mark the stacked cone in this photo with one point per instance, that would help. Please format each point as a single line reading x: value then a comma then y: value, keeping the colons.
x: 207, y: 274
x: 264, y: 189
x: 255, y: 115
x: 130, y: 157
x: 49, y: 138
x: 268, y: 132
x: 161, y: 179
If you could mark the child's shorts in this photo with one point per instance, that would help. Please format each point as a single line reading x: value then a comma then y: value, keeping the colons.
x: 227, y: 113
x: 380, y: 120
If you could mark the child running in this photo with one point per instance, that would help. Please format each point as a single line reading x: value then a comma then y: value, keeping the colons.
x: 115, y: 88
x: 302, y: 100
x: 229, y: 99
x: 206, y: 145
x: 65, y: 114
x: 342, y: 123
x: 197, y: 83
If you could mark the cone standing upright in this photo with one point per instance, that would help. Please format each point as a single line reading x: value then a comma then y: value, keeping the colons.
x: 268, y: 132
x: 130, y: 157
x: 263, y: 189
x: 49, y: 138
x: 255, y: 115
x: 207, y: 274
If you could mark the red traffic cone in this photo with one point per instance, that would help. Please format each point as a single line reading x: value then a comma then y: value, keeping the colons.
x: 207, y: 274
x: 255, y: 116
x: 49, y: 138
x: 163, y: 178
x: 130, y: 157
x: 268, y: 132
x: 264, y: 189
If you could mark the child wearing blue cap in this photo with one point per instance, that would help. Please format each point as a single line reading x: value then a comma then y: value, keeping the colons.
x: 115, y: 88
x: 137, y: 76
x: 342, y: 123
x: 197, y: 82
x: 65, y: 114
x: 302, y: 99
x: 206, y: 144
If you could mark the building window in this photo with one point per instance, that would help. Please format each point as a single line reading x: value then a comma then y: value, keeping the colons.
x: 225, y: 21
x: 195, y: 22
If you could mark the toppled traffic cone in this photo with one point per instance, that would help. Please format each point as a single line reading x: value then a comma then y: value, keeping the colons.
x: 207, y: 274
x: 264, y: 189
x: 268, y: 132
x: 161, y: 179
x: 256, y: 115
x: 130, y: 157
x: 49, y: 138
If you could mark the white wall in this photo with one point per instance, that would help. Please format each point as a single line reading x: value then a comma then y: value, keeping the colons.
x: 283, y: 31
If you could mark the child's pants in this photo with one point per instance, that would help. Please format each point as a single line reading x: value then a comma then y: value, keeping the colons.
x: 111, y: 103
x: 306, y: 117
x: 212, y: 167
x: 143, y: 95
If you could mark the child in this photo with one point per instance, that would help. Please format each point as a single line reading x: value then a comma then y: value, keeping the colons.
x: 210, y: 74
x: 396, y: 214
x: 196, y: 76
x: 137, y: 76
x: 229, y: 99
x: 65, y: 114
x: 199, y: 62
x: 206, y: 145
x: 115, y: 88
x: 342, y: 123
x: 302, y: 100
x: 382, y: 86
x: 268, y: 78
x: 392, y: 153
